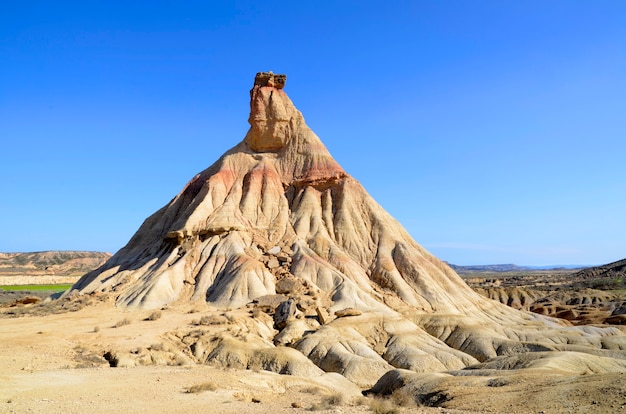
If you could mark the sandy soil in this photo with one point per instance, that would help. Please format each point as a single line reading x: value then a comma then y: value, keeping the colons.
x: 54, y: 364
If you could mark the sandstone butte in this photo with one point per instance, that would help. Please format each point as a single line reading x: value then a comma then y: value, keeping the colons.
x: 277, y: 218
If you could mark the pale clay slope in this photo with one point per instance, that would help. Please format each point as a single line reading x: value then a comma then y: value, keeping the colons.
x: 277, y: 208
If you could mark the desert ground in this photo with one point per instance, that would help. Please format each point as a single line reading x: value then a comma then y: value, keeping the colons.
x: 55, y: 363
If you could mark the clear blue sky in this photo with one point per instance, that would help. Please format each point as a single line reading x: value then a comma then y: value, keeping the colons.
x: 493, y: 130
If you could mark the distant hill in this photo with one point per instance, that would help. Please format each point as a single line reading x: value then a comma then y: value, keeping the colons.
x: 51, y: 263
x: 610, y: 270
x: 509, y: 268
x: 488, y: 268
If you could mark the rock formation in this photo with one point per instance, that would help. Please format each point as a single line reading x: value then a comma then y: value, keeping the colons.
x: 276, y: 218
x: 276, y: 206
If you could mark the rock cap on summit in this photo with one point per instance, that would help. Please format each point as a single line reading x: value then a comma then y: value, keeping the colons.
x: 272, y: 114
x: 270, y: 78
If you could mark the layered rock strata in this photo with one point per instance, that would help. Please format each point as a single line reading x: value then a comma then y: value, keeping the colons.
x: 276, y: 219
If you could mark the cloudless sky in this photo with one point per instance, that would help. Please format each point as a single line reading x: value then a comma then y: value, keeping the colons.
x: 494, y: 131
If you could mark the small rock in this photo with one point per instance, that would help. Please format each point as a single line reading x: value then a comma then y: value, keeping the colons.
x: 285, y: 312
x: 269, y: 301
x: 273, y: 263
x: 274, y: 250
x: 283, y: 258
x: 28, y: 300
x: 289, y: 285
x: 322, y: 316
x: 348, y: 312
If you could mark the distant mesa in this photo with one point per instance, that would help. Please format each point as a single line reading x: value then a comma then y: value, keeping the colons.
x: 48, y: 266
x: 488, y: 268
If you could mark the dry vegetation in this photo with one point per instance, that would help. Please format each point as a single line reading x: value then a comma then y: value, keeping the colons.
x: 154, y: 316
x: 123, y: 322
x: 205, y: 386
x: 69, y: 304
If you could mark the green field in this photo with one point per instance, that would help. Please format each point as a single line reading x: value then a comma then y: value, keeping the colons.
x: 38, y: 288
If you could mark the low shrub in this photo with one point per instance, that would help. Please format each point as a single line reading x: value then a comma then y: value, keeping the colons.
x: 205, y: 386
x: 328, y: 402
x: 381, y: 406
x: 123, y: 322
x: 154, y: 316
